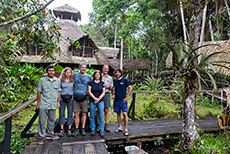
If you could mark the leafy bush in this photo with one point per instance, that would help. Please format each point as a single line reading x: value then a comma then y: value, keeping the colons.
x: 89, y: 71
x: 156, y: 108
x: 58, y: 69
x: 207, y: 102
x: 17, y: 81
x: 18, y: 144
x: 151, y: 84
x: 211, y: 143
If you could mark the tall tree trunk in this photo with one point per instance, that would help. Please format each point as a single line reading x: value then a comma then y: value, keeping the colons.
x: 217, y: 20
x: 189, y: 133
x: 203, y: 25
x: 227, y: 8
x: 115, y: 37
x: 183, y: 23
x: 210, y: 29
x: 156, y: 54
x: 121, y: 60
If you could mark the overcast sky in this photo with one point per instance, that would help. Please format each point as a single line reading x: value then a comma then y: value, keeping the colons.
x: 84, y: 6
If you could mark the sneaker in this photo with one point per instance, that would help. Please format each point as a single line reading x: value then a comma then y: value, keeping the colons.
x: 69, y: 133
x: 101, y: 134
x: 53, y: 137
x: 107, y: 128
x: 41, y: 141
x: 92, y: 133
x: 61, y: 134
x: 76, y: 132
x: 97, y: 129
x: 83, y: 132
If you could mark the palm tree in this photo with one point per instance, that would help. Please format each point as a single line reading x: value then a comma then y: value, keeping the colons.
x: 188, y: 67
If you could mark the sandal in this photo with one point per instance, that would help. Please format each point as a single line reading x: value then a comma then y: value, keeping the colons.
x: 126, y: 133
x: 118, y: 130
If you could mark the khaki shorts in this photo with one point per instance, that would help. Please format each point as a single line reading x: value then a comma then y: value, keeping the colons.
x: 80, y: 106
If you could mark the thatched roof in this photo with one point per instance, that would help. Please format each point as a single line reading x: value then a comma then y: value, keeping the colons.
x: 110, y: 53
x: 108, y: 56
x: 71, y: 30
x: 67, y: 12
x: 130, y: 64
x: 214, y: 46
x: 222, y: 46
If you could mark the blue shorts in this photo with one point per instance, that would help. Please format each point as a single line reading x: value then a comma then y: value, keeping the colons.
x: 119, y: 105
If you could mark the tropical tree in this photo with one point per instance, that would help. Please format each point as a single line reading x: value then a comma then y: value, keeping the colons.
x: 23, y: 26
x: 189, y: 67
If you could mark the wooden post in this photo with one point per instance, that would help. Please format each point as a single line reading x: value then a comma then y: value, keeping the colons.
x: 5, y: 144
x: 221, y: 97
x: 133, y: 112
x: 227, y: 110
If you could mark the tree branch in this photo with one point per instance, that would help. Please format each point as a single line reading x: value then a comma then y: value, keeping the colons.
x: 27, y: 15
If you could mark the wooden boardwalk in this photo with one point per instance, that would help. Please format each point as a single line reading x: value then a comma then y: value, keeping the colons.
x: 140, y: 131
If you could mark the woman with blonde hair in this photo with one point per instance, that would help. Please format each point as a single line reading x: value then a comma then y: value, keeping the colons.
x: 67, y: 82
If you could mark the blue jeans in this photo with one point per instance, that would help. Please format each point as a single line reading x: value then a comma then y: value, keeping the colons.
x: 62, y: 113
x: 100, y: 110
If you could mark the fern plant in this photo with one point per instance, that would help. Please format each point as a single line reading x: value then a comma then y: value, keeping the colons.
x: 151, y: 84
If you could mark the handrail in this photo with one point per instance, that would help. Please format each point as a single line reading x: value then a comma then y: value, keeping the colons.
x: 12, y: 112
x: 198, y: 91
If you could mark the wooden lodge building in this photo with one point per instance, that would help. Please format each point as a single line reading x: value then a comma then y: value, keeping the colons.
x: 89, y: 53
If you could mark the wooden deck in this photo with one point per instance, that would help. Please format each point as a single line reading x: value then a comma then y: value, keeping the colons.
x: 140, y: 131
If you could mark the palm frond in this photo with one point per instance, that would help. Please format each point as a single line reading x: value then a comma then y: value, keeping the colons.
x: 212, y: 79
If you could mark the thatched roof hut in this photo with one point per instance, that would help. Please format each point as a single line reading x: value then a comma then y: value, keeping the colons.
x: 213, y: 46
x: 216, y: 46
x: 67, y: 12
x: 131, y: 64
x: 88, y: 52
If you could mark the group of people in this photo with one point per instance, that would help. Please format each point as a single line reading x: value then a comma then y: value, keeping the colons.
x: 78, y: 91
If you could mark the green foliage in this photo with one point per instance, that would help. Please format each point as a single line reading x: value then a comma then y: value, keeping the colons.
x: 23, y: 35
x: 18, y: 144
x: 151, y: 84
x: 158, y: 142
x: 207, y: 102
x: 156, y: 108
x: 89, y: 71
x: 58, y: 69
x: 211, y: 143
x: 17, y: 81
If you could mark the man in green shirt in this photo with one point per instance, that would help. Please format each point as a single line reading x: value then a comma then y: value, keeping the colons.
x: 48, y: 99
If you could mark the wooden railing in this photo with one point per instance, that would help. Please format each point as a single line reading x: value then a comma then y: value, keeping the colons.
x: 132, y: 105
x: 7, y: 117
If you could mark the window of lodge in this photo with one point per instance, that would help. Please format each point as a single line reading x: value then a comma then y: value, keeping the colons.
x: 85, y: 48
x: 33, y: 50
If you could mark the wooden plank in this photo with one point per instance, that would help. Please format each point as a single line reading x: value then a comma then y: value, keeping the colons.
x: 30, y: 149
x: 83, y: 142
x: 67, y: 149
x: 55, y: 147
x: 12, y: 112
x: 101, y: 148
x: 90, y: 148
x: 44, y: 148
x: 78, y: 149
x: 39, y: 149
